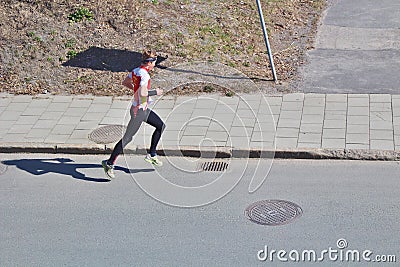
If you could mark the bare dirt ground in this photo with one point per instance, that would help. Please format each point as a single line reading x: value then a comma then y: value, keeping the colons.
x: 87, y: 47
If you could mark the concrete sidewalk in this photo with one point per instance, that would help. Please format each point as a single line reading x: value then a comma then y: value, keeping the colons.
x: 293, y: 125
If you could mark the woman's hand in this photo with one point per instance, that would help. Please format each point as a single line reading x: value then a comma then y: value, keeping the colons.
x: 159, y: 91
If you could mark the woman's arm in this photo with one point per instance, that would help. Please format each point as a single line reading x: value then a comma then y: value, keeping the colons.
x: 128, y: 82
x: 143, y: 91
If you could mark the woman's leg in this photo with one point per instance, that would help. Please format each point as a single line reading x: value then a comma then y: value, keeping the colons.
x: 154, y: 120
x: 131, y: 130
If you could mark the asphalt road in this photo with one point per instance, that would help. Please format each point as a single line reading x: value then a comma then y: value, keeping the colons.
x: 58, y: 210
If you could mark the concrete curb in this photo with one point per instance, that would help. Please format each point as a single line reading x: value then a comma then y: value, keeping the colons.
x: 223, y: 152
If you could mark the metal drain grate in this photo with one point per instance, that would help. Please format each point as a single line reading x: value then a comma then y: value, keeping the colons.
x: 107, y: 134
x: 273, y: 212
x: 213, y: 166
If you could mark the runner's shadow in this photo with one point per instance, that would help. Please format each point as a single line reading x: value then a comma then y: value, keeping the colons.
x: 63, y: 166
x: 114, y: 60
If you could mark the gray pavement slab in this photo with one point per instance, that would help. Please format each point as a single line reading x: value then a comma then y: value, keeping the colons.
x: 310, y: 138
x: 357, y: 138
x: 310, y: 110
x: 360, y: 128
x: 333, y: 143
x: 20, y: 129
x: 334, y: 124
x: 56, y: 138
x: 296, y: 106
x: 311, y: 128
x: 70, y: 120
x: 287, y: 132
x: 335, y: 115
x: 27, y: 119
x: 334, y: 133
x: 9, y: 115
x: 13, y: 106
x: 358, y: 120
x: 358, y: 101
x: 358, y: 111
x: 45, y: 124
x: 63, y: 129
x: 335, y: 106
x: 382, y: 144
x: 221, y: 136
x: 286, y: 142
x: 51, y: 115
x: 93, y: 116
x: 314, y: 119
x: 381, y: 134
x: 341, y: 98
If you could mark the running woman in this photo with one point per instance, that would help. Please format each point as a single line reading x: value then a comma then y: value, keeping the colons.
x: 139, y: 81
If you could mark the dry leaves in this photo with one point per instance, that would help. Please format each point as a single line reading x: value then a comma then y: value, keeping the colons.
x: 36, y: 40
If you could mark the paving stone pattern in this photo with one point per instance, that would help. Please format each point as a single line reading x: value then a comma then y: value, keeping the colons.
x: 251, y: 121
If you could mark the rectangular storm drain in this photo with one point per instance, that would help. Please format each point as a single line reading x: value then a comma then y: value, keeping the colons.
x: 213, y: 166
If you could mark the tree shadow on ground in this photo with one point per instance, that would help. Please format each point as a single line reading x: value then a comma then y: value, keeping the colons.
x: 114, y: 60
x: 63, y: 166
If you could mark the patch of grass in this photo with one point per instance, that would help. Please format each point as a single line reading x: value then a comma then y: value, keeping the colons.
x: 229, y: 93
x: 228, y: 48
x: 210, y: 49
x: 85, y: 79
x: 208, y: 89
x: 231, y: 64
x: 30, y: 34
x: 71, y: 54
x: 70, y: 43
x: 80, y: 14
x: 215, y: 31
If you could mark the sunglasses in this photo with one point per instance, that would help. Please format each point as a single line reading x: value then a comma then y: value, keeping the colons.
x: 151, y: 59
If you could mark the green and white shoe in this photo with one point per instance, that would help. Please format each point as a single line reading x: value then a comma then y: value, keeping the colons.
x: 153, y: 160
x: 108, y: 169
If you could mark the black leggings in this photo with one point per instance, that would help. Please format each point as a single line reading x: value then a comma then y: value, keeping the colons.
x: 147, y: 116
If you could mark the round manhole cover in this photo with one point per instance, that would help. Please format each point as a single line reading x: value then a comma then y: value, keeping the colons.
x: 107, y: 134
x: 273, y: 212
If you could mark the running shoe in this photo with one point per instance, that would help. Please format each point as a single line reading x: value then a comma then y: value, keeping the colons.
x: 153, y: 160
x: 108, y: 169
